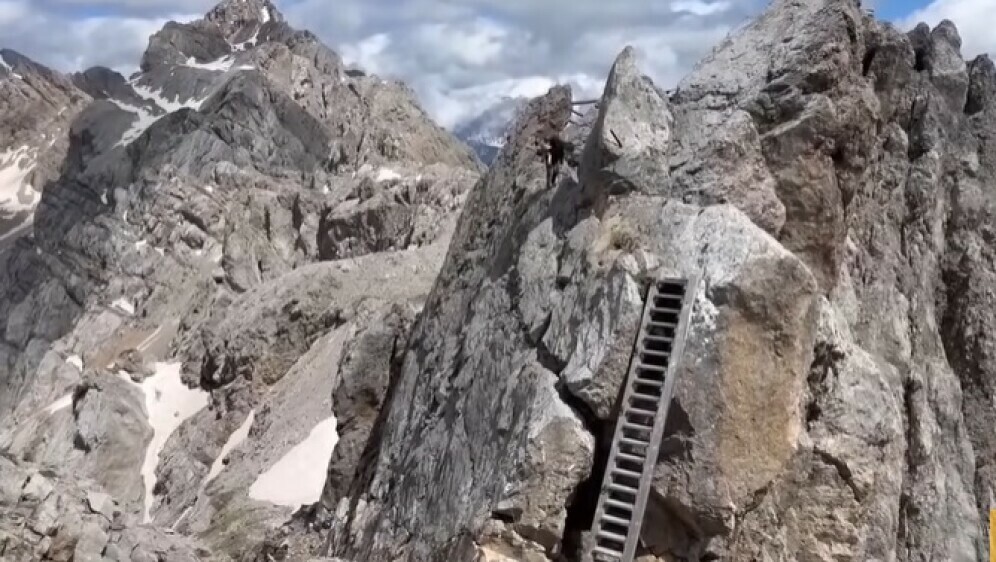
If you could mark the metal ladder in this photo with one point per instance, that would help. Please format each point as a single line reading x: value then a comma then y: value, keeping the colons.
x: 648, y: 389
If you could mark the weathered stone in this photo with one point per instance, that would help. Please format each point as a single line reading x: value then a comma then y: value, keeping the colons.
x: 824, y: 173
x: 628, y: 146
x: 101, y: 503
x: 834, y: 374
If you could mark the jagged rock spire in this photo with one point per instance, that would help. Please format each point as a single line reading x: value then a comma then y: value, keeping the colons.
x: 234, y: 15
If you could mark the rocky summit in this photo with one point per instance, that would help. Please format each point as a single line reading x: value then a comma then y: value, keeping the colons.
x: 256, y: 306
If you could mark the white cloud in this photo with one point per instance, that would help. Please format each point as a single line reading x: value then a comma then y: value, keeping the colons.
x: 974, y: 19
x: 368, y: 54
x: 69, y: 43
x: 700, y: 8
x: 475, y: 43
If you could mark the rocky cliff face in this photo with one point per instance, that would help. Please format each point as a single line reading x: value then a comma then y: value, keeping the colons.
x: 832, y: 179
x: 269, y: 312
x: 235, y: 240
x: 36, y: 107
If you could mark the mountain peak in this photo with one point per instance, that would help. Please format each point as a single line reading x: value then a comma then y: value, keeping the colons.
x: 232, y: 15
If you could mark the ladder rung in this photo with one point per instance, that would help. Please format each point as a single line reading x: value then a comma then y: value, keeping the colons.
x: 629, y: 457
x: 615, y: 520
x: 658, y: 368
x: 637, y: 427
x: 662, y: 324
x: 662, y: 310
x: 619, y: 505
x: 655, y: 353
x: 616, y: 487
x: 627, y: 473
x: 648, y: 382
x: 607, y: 552
x: 611, y: 536
x: 630, y: 441
x: 646, y: 397
x: 664, y: 339
x: 641, y: 411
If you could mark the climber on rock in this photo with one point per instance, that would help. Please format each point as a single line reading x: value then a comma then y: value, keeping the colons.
x: 553, y: 151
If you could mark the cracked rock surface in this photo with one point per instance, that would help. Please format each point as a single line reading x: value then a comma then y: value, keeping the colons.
x: 831, y: 178
x: 224, y: 258
x: 252, y: 257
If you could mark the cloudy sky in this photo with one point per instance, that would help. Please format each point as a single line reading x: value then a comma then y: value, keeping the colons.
x: 460, y: 55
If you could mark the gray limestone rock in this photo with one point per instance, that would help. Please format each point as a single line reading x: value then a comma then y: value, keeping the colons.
x: 183, y: 223
x: 631, y: 136
x: 828, y: 176
x: 827, y: 181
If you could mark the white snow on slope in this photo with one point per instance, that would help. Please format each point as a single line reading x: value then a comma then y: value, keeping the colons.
x: 156, y: 97
x: 387, y: 174
x: 297, y: 478
x: 265, y: 15
x: 234, y: 440
x: 223, y: 64
x: 4, y: 64
x: 124, y: 305
x: 60, y: 404
x: 168, y: 403
x: 144, y: 120
x: 75, y: 361
x: 16, y: 194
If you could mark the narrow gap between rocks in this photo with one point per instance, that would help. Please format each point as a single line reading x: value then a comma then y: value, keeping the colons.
x: 583, y: 502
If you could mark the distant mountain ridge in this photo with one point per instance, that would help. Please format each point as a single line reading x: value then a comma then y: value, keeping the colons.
x: 488, y: 132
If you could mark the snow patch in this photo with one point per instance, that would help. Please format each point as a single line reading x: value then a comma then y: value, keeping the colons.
x: 60, y: 404
x: 103, y: 197
x: 251, y: 42
x: 124, y: 305
x: 16, y: 193
x: 387, y: 174
x: 160, y: 251
x: 264, y: 15
x: 297, y: 478
x: 143, y: 120
x: 168, y: 403
x: 169, y: 106
x: 234, y: 440
x: 75, y: 361
x: 10, y: 69
x: 223, y: 64
x: 209, y: 189
x: 141, y: 245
